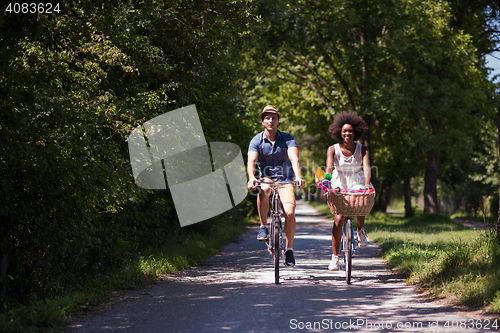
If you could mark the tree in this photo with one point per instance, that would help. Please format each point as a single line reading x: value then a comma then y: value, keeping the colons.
x: 498, y: 128
x: 405, y: 66
x: 72, y: 87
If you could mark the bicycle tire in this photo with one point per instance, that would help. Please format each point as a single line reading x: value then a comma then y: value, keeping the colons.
x: 276, y: 250
x: 348, y: 250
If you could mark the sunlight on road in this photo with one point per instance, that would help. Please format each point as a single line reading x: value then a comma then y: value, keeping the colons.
x: 235, y: 291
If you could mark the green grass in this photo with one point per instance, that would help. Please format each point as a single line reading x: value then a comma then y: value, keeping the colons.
x: 480, y: 217
x: 47, y: 315
x: 440, y: 256
x: 44, y: 315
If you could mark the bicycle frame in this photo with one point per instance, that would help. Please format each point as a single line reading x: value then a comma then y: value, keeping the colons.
x: 275, y: 244
x: 347, y: 246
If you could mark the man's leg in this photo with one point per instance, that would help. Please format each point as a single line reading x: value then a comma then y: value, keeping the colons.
x: 287, y: 197
x: 263, y: 209
x: 290, y: 223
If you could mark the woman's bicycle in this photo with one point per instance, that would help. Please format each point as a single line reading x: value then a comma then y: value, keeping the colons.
x: 275, y: 244
x: 347, y: 245
x: 349, y: 204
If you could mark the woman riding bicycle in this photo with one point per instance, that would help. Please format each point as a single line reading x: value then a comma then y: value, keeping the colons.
x: 352, y: 171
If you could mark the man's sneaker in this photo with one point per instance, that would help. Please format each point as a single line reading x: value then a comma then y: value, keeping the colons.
x: 334, y: 264
x: 289, y: 259
x: 263, y: 234
x: 362, y: 237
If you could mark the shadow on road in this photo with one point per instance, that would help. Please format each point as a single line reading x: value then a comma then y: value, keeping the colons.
x: 234, y: 291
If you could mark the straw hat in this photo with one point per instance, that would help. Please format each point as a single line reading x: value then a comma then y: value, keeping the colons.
x: 269, y: 109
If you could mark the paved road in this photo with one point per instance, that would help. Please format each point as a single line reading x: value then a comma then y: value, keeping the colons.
x: 234, y: 291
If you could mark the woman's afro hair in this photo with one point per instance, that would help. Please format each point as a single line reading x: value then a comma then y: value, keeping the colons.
x: 358, y: 124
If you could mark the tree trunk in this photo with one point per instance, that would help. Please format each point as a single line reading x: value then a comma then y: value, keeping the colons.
x: 431, y: 204
x: 407, y: 193
x: 498, y: 128
x: 385, y: 194
x: 5, y: 257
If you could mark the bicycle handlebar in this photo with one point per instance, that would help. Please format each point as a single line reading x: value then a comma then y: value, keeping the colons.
x: 259, y: 182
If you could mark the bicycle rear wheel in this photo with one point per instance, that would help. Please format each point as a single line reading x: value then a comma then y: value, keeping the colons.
x: 276, y: 249
x: 348, y: 249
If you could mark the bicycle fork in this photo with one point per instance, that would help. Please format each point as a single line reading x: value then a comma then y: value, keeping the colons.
x: 343, y: 242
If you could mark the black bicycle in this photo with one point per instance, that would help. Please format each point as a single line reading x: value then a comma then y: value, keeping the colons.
x: 275, y: 244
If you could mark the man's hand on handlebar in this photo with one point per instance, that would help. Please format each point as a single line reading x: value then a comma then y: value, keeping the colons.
x: 251, y: 184
x: 300, y: 183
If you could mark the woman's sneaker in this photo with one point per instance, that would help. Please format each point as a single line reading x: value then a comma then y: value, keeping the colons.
x: 263, y: 234
x: 362, y: 237
x: 334, y: 264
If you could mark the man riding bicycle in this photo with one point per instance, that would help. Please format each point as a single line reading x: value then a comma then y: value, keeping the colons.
x: 276, y: 155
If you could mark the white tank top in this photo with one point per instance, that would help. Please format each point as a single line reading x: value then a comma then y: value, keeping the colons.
x: 348, y: 173
x: 349, y: 164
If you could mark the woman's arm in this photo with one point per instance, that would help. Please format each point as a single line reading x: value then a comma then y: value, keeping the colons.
x: 329, y: 159
x: 366, y: 166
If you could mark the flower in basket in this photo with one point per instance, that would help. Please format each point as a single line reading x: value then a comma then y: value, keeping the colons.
x: 319, y: 175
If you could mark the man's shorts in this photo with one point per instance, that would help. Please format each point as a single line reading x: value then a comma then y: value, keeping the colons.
x: 286, y: 192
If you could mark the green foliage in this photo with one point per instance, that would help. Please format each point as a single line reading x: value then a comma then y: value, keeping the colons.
x: 72, y: 87
x: 413, y: 69
x: 190, y: 247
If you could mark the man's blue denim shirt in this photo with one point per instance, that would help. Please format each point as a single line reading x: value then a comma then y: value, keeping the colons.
x: 273, y: 161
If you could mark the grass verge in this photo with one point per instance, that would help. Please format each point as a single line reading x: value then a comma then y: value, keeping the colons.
x: 440, y: 256
x: 46, y: 315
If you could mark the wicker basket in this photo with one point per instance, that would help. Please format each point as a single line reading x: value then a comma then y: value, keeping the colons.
x: 351, y: 204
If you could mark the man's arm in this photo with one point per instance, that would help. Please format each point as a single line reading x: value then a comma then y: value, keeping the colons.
x: 293, y: 155
x: 253, y: 156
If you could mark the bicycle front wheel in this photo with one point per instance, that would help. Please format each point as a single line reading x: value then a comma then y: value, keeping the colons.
x: 276, y: 250
x: 348, y: 250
